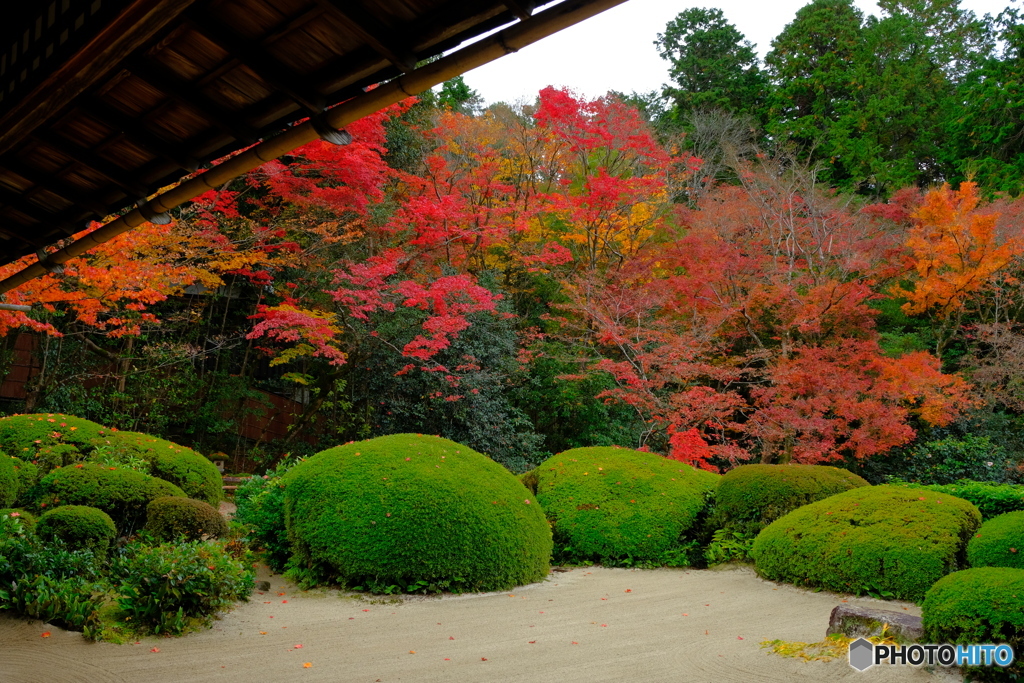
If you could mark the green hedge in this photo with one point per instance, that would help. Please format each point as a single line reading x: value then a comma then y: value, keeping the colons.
x: 983, y: 605
x: 10, y: 482
x: 26, y: 435
x: 260, y: 507
x: 170, y: 518
x: 413, y: 511
x: 121, y: 493
x: 191, y: 472
x: 884, y: 540
x: 750, y: 497
x: 999, y: 542
x: 79, y: 526
x: 28, y: 520
x: 991, y: 499
x: 28, y: 476
x: 608, y: 503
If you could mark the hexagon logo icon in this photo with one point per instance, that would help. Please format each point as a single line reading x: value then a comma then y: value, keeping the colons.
x: 862, y: 654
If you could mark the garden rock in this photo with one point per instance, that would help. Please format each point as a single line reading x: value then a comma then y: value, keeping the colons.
x: 854, y: 622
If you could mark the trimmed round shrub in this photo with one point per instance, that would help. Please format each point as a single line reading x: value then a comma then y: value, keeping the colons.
x: 28, y: 520
x: 28, y: 476
x: 169, y: 518
x: 79, y: 526
x: 25, y: 435
x: 750, y: 497
x: 10, y: 482
x: 887, y: 541
x: 983, y: 605
x: 610, y: 503
x: 999, y: 542
x: 121, y: 493
x: 413, y: 511
x: 191, y: 472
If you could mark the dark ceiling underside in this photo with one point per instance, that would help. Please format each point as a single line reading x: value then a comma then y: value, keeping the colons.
x: 105, y: 102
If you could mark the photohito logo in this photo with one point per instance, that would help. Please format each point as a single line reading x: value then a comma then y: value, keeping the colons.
x: 864, y: 654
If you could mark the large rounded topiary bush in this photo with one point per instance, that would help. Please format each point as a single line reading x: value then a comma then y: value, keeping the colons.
x: 169, y: 518
x: 183, y: 467
x: 121, y: 493
x: 886, y: 540
x: 400, y: 509
x: 26, y: 435
x: 615, y: 503
x: 750, y: 497
x: 79, y: 526
x: 983, y: 605
x: 999, y: 542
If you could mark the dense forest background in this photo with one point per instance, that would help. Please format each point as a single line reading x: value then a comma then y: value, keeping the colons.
x: 816, y: 258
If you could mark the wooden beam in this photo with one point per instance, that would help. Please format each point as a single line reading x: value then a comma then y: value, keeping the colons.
x: 369, y: 28
x: 86, y: 157
x: 138, y: 134
x: 137, y: 23
x: 251, y: 54
x: 184, y: 92
x: 53, y: 183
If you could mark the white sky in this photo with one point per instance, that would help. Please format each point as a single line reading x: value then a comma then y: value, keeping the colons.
x: 615, y: 50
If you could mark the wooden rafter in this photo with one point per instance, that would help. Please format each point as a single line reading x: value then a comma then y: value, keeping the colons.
x: 131, y: 186
x: 369, y: 28
x: 138, y: 134
x: 174, y: 87
x: 53, y: 183
x: 271, y: 71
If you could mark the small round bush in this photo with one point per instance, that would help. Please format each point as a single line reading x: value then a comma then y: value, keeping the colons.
x: 79, y: 526
x: 999, y: 542
x: 172, y: 587
x: 982, y: 605
x: 183, y: 467
x: 403, y: 509
x: 885, y: 540
x: 121, y: 493
x: 750, y: 497
x: 26, y: 435
x: 10, y: 482
x: 614, y: 503
x: 170, y: 518
x: 27, y: 519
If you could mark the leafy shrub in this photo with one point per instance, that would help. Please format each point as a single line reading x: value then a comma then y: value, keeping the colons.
x: 883, y: 540
x: 168, y: 588
x: 10, y: 482
x: 999, y: 542
x: 26, y: 435
x: 983, y: 605
x: 122, y: 494
x: 191, y: 472
x: 406, y: 508
x: 28, y: 476
x: 27, y: 519
x: 948, y: 460
x: 23, y: 556
x: 750, y: 497
x: 260, y: 507
x: 169, y: 518
x: 609, y: 503
x: 78, y: 526
x: 49, y: 458
x: 990, y: 499
x: 70, y: 602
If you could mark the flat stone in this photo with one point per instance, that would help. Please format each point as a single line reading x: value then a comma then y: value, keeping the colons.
x: 263, y: 586
x: 856, y: 622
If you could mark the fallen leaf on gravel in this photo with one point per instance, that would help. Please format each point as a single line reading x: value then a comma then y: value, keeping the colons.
x: 44, y: 634
x: 447, y: 659
x: 532, y: 642
x: 263, y: 633
x: 451, y: 637
x: 629, y: 590
x: 366, y: 610
x: 155, y: 649
x: 280, y: 593
x: 739, y: 637
x: 412, y: 652
x: 283, y: 601
x: 298, y: 647
x: 604, y: 624
x: 307, y: 665
x: 575, y: 643
x: 483, y: 659
x: 685, y: 614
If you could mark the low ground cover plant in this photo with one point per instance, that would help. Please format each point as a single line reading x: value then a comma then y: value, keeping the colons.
x: 888, y: 541
x: 412, y: 512
x: 613, y: 504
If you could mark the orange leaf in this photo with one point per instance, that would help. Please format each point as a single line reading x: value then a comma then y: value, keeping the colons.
x: 44, y: 634
x: 307, y: 665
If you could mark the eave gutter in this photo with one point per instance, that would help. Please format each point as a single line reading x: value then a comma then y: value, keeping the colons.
x: 509, y: 40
